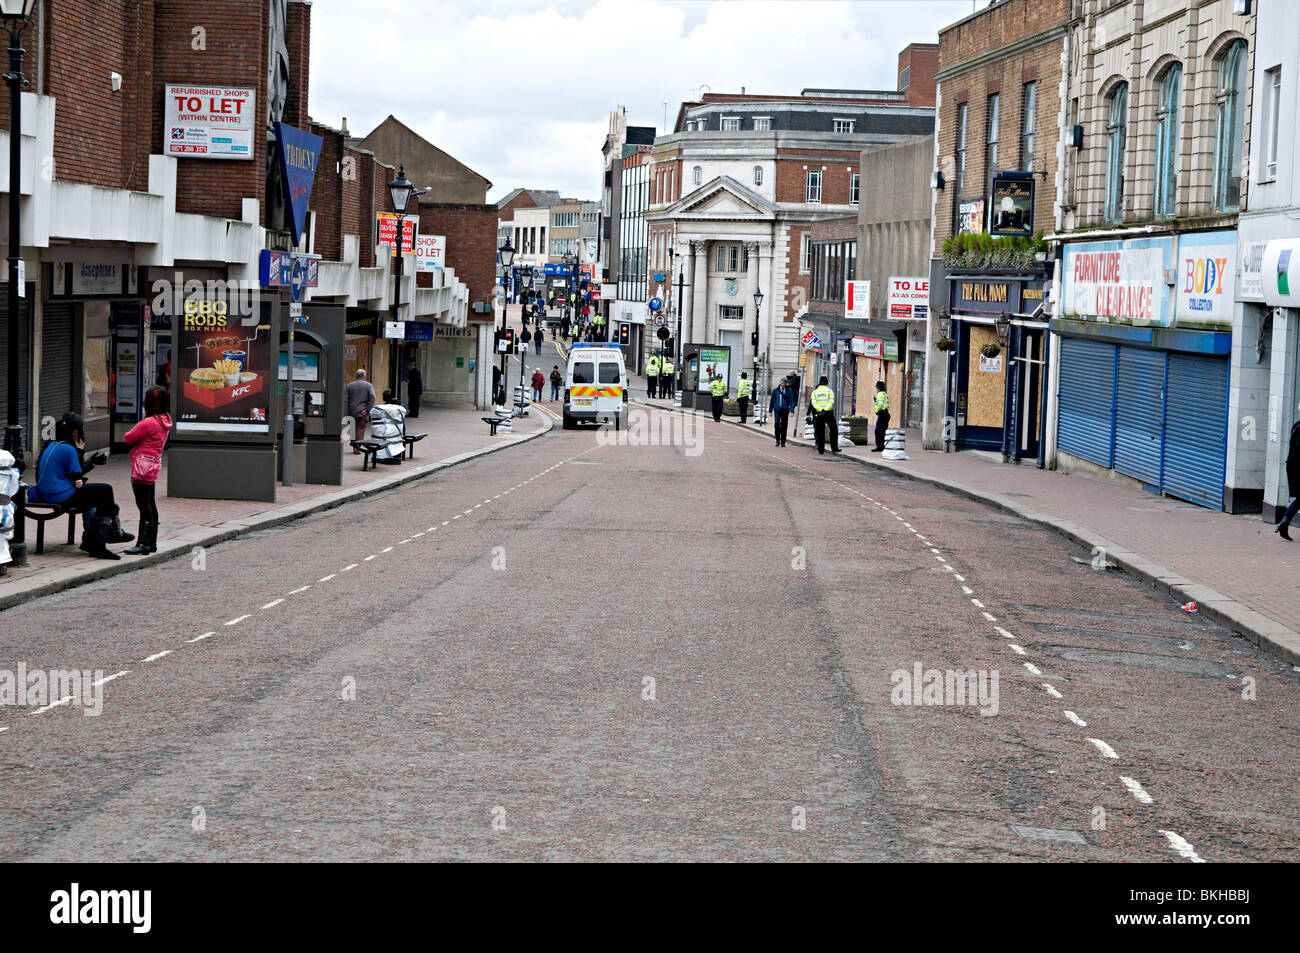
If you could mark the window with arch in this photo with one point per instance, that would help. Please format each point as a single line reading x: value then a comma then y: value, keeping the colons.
x: 1229, y: 126
x: 1168, y: 95
x: 758, y: 175
x: 698, y: 175
x: 1116, y: 118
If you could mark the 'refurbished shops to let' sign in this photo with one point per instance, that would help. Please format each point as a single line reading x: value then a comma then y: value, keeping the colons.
x: 209, y: 122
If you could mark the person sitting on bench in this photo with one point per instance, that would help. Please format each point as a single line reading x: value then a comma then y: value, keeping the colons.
x: 61, y: 478
x: 387, y: 424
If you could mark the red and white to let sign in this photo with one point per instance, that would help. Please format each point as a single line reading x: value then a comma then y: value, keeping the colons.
x: 430, y: 252
x: 388, y: 231
x: 209, y: 122
x: 909, y: 298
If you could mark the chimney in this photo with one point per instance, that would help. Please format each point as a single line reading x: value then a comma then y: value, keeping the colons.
x: 344, y: 130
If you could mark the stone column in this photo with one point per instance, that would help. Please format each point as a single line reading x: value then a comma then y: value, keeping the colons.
x: 700, y: 293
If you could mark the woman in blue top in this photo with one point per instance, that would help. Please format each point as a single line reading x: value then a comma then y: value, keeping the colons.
x: 61, y: 478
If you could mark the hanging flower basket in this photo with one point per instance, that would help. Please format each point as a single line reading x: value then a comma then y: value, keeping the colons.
x: 945, y: 344
x: 990, y: 350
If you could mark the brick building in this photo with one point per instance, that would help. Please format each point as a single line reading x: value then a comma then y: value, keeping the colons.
x: 999, y: 110
x: 116, y: 214
x: 738, y: 184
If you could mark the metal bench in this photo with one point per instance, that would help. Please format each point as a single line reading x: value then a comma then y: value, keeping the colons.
x: 42, y: 513
x: 411, y: 439
x: 368, y: 450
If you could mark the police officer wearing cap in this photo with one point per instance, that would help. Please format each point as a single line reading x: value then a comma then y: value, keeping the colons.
x: 718, y: 390
x: 666, y: 383
x: 743, y: 390
x: 652, y: 375
x: 882, y: 416
x: 823, y: 407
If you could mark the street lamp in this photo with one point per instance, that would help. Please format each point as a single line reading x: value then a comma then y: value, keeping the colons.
x: 16, y: 14
x: 507, y: 253
x: 760, y: 386
x: 677, y: 340
x: 400, y: 190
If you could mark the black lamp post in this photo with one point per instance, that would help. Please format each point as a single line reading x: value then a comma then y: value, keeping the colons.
x: 677, y: 341
x: 760, y: 406
x: 400, y: 190
x: 507, y: 253
x: 16, y: 15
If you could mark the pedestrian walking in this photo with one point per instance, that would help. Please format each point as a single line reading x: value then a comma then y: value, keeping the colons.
x: 743, y: 389
x: 823, y: 407
x: 1292, y: 482
x: 525, y: 336
x: 882, y: 416
x: 557, y: 381
x: 147, y: 439
x: 360, y: 397
x: 652, y: 375
x: 414, y: 388
x: 61, y: 476
x: 538, y: 338
x: 564, y: 326
x: 780, y: 406
x: 538, y: 382
x: 388, y: 423
x: 718, y: 390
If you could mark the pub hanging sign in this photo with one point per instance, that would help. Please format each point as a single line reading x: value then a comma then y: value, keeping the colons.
x: 1011, y: 211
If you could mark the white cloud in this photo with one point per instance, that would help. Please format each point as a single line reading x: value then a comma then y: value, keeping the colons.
x: 521, y: 91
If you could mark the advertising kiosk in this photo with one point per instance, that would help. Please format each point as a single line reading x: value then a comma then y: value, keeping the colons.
x: 224, y: 401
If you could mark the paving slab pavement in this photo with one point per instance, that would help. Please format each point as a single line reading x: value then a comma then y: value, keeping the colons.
x: 455, y: 434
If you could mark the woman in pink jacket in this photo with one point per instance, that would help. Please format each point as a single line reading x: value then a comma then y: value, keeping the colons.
x: 147, y: 439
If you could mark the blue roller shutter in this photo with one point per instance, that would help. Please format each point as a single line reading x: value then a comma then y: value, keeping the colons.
x: 1139, y: 413
x: 1086, y: 400
x: 1196, y: 428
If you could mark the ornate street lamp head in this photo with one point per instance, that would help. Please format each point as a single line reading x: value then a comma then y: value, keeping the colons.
x: 400, y: 189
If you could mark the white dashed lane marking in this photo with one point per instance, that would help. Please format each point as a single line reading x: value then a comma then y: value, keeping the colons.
x: 1076, y: 719
x: 348, y: 568
x: 294, y: 592
x: 327, y: 578
x: 1137, y: 790
x: 156, y: 656
x: 1105, y: 749
x: 1015, y: 648
x: 108, y: 678
x: 386, y: 549
x: 370, y: 557
x: 236, y: 620
x: 1182, y: 847
x: 200, y: 638
x: 1051, y: 690
x: 1032, y: 668
x: 273, y: 603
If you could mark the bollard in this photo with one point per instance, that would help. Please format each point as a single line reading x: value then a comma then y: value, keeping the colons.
x: 894, y: 440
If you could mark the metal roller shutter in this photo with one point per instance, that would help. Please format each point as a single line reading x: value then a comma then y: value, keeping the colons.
x: 1087, y: 400
x: 60, y: 360
x: 1139, y: 413
x: 1196, y: 428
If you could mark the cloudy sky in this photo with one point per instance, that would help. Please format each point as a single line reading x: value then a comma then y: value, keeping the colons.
x: 521, y: 90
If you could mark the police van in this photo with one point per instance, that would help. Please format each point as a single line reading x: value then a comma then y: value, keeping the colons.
x: 595, y: 385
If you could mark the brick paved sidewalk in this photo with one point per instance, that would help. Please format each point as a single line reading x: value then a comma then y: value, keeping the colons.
x: 454, y: 433
x: 1235, y: 567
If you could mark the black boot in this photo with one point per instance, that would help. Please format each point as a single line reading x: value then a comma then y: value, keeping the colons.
x: 1281, y: 530
x: 95, y: 538
x: 148, y: 540
x: 87, y: 521
x: 113, y: 532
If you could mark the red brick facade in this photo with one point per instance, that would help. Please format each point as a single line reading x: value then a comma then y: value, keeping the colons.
x: 471, y: 232
x: 980, y: 37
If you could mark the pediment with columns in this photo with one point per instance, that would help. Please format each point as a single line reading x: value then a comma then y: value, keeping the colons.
x: 722, y: 198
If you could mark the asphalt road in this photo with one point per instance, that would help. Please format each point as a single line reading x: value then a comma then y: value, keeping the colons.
x: 577, y: 650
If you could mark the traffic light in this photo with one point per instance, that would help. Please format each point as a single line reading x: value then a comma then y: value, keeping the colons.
x: 625, y: 334
x: 510, y: 339
x: 753, y: 340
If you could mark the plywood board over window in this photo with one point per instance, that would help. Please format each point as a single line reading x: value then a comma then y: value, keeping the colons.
x: 985, y: 390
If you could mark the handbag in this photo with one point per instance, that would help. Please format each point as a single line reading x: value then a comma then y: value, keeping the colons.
x: 145, y: 469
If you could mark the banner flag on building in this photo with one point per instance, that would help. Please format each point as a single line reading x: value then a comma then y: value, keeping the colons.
x: 298, y: 153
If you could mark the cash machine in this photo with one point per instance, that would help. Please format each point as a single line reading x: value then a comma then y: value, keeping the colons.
x: 316, y: 389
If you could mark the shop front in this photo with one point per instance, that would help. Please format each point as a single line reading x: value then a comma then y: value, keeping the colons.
x: 449, y: 365
x: 100, y: 348
x: 1145, y: 329
x: 994, y: 338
